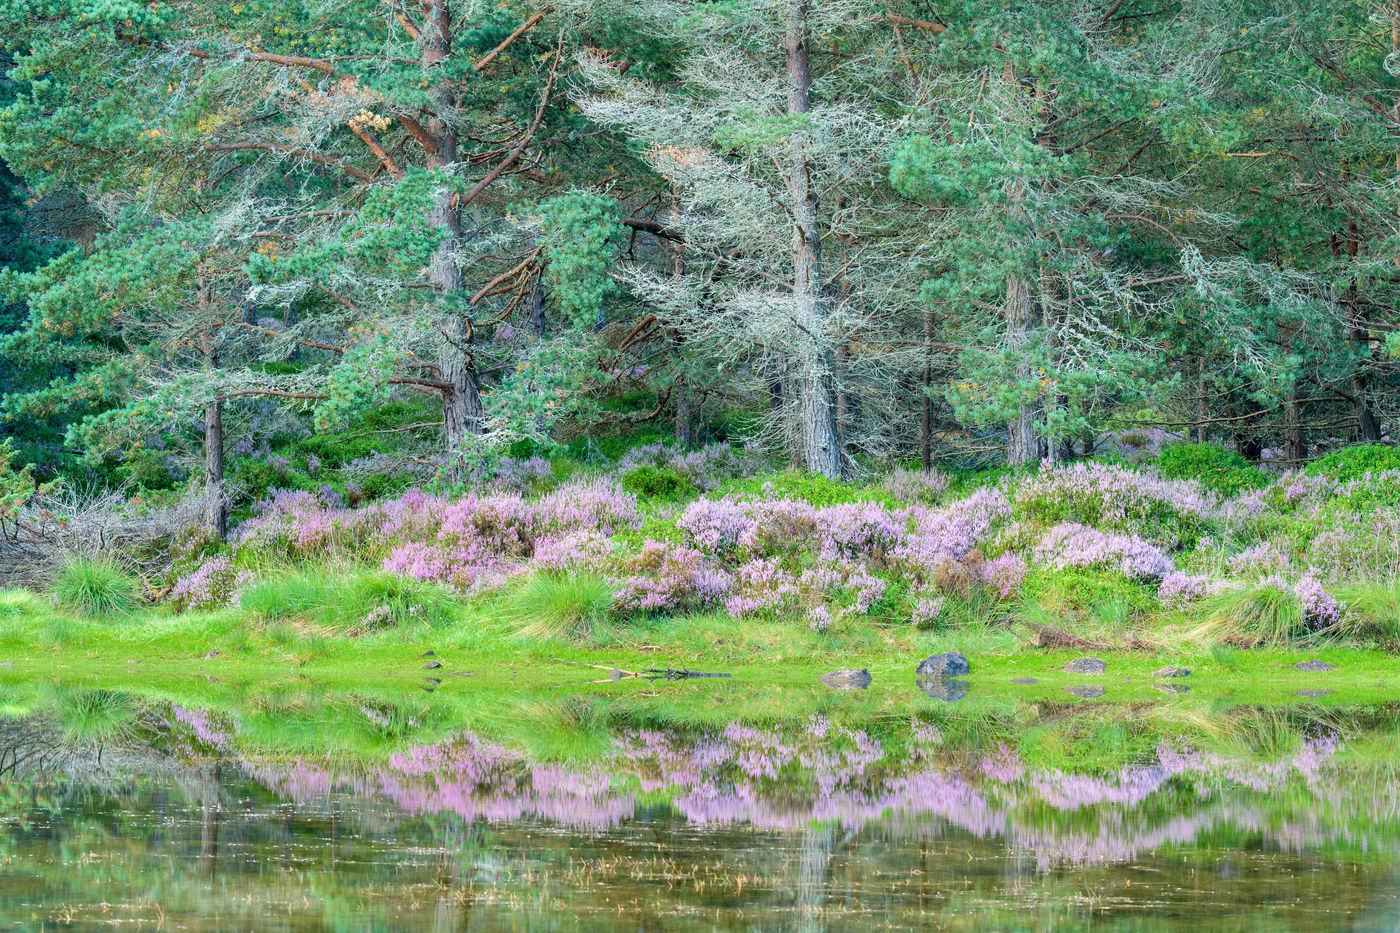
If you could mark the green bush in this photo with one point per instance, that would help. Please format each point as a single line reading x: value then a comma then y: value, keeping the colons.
x: 651, y: 482
x: 95, y: 587
x: 1352, y: 463
x: 1219, y: 470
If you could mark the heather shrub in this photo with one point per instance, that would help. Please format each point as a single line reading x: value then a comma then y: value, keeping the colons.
x: 1070, y: 544
x: 213, y: 583
x: 1114, y: 498
x: 546, y: 606
x: 916, y: 485
x: 651, y: 482
x: 1222, y: 471
x: 95, y: 586
x: 1354, y: 463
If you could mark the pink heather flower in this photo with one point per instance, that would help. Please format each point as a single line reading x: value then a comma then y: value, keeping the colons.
x: 1069, y: 544
x: 211, y: 585
x: 949, y: 534
x: 1178, y: 589
x: 1114, y: 498
x: 1320, y: 608
x: 915, y: 485
x: 1003, y: 575
x: 585, y: 550
x: 819, y: 618
x: 1263, y: 558
x: 927, y: 609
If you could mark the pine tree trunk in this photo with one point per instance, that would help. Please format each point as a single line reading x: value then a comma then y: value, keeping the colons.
x: 820, y: 449
x: 926, y: 402
x: 215, y: 495
x: 1295, y: 441
x: 462, y: 412
x: 1022, y: 443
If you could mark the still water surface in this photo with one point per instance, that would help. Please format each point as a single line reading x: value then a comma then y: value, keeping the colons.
x: 348, y: 812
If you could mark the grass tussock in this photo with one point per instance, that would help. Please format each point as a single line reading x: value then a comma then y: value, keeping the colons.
x: 1267, y: 614
x: 94, y: 586
x: 1372, y: 614
x: 353, y: 604
x: 548, y: 606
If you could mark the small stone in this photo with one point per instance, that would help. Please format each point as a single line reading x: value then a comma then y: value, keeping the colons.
x: 1085, y: 666
x: 432, y: 680
x: 1171, y: 688
x: 853, y: 678
x: 1024, y: 680
x: 947, y: 664
x: 1312, y: 694
x: 1314, y: 665
x: 1171, y: 672
x: 1086, y: 691
x: 428, y: 654
x: 942, y: 688
x: 432, y: 665
x: 211, y: 654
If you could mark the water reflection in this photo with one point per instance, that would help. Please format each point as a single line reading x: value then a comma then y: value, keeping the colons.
x: 120, y: 807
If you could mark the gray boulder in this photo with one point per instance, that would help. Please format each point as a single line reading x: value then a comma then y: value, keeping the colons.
x: 945, y: 689
x: 1314, y: 665
x: 947, y: 664
x: 852, y: 678
x: 1085, y: 666
x: 1171, y: 672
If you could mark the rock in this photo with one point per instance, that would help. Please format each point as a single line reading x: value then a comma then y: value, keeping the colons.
x: 211, y: 654
x: 1024, y: 680
x: 428, y: 654
x: 1085, y: 666
x: 1171, y: 672
x: 945, y: 689
x: 432, y: 681
x: 947, y: 664
x: 432, y: 665
x: 1086, y: 691
x: 850, y: 678
x: 1171, y: 688
x: 1312, y: 694
x: 1314, y: 665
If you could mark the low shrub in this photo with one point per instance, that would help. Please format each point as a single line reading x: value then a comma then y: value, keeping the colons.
x: 1221, y: 471
x: 811, y: 488
x: 1353, y: 463
x: 651, y: 482
x: 95, y: 586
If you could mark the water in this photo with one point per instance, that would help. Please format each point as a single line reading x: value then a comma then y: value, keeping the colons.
x: 688, y: 807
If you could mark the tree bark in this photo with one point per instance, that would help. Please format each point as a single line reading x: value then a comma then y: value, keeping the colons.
x: 1022, y: 443
x: 820, y: 448
x: 215, y: 494
x: 926, y: 402
x: 462, y: 411
x: 1295, y: 442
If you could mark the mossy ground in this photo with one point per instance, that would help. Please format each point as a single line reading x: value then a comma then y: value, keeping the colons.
x: 480, y: 648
